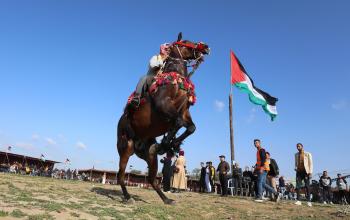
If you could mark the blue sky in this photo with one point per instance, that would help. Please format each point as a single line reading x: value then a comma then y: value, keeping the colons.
x: 67, y: 68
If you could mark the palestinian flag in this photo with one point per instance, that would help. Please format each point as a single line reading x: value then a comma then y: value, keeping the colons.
x: 241, y: 80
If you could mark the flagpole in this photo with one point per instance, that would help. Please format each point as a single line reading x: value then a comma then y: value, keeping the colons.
x: 7, y: 157
x: 232, y: 146
x: 93, y: 167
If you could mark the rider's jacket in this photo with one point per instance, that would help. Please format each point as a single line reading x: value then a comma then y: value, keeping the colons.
x: 155, y: 63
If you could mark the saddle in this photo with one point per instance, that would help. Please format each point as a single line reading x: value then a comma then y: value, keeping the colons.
x: 163, y: 79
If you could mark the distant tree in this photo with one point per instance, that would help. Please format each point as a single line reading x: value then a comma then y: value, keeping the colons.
x: 195, y: 173
x: 135, y: 172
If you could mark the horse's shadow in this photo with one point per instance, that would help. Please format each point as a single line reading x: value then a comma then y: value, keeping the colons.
x: 112, y: 194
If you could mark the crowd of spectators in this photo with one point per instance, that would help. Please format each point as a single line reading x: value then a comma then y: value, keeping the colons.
x: 26, y: 169
x: 43, y: 170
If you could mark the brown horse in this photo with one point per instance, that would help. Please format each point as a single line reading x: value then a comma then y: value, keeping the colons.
x: 165, y: 111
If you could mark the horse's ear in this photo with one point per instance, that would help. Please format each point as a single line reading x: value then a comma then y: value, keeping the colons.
x: 179, y: 37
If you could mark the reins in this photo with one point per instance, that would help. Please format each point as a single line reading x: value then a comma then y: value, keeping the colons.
x: 196, y: 60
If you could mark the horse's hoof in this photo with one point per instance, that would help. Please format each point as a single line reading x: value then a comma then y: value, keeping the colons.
x: 169, y: 202
x: 129, y: 201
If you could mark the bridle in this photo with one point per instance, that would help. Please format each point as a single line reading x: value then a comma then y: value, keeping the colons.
x: 196, y: 61
x: 195, y: 47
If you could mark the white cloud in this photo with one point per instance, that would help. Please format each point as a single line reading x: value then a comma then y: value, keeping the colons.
x: 50, y: 141
x: 81, y: 145
x: 35, y: 137
x: 219, y: 105
x: 340, y: 105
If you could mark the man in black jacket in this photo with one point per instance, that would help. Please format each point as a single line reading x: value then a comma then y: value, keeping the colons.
x: 273, y: 172
x: 237, y: 179
x: 202, y: 186
x: 248, y: 178
x: 167, y: 171
x: 223, y: 169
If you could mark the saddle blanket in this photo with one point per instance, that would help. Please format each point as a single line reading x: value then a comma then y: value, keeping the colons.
x: 162, y: 79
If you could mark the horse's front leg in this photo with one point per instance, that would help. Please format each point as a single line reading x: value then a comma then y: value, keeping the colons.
x: 175, y: 144
x: 166, y: 107
x: 171, y: 135
x: 190, y: 129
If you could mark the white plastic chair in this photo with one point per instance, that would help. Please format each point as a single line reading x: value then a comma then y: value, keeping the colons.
x: 230, y: 186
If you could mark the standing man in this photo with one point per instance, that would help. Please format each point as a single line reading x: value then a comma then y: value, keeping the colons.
x: 202, y: 185
x: 223, y: 169
x: 262, y: 167
x: 273, y: 172
x: 207, y: 177
x: 179, y: 180
x: 167, y: 171
x: 212, y: 176
x: 237, y: 179
x: 303, y: 168
x: 325, y: 183
x: 342, y: 186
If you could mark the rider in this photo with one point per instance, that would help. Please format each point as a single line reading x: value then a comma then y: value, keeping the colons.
x: 155, y: 63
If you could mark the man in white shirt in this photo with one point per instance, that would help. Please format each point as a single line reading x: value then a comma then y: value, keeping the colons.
x: 155, y: 63
x: 303, y: 168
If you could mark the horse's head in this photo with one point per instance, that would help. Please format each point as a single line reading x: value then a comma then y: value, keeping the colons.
x: 188, y: 50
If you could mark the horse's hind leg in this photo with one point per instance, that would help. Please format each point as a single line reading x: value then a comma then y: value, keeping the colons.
x: 124, y: 153
x: 152, y: 162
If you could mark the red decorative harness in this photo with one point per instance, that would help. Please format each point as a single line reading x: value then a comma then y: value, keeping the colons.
x: 200, y: 46
x: 174, y: 78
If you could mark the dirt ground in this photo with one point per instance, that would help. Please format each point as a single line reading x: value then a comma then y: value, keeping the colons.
x: 34, y: 198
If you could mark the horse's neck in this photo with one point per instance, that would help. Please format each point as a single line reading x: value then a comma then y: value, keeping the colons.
x: 176, y: 65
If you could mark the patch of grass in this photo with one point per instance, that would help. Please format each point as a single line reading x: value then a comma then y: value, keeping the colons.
x: 101, y: 212
x: 17, y: 213
x: 24, y: 196
x: 52, y: 206
x: 73, y: 214
x: 12, y: 188
x: 73, y: 205
x: 29, y: 185
x: 45, y: 216
x: 3, y: 213
x: 302, y: 218
x: 158, y: 212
